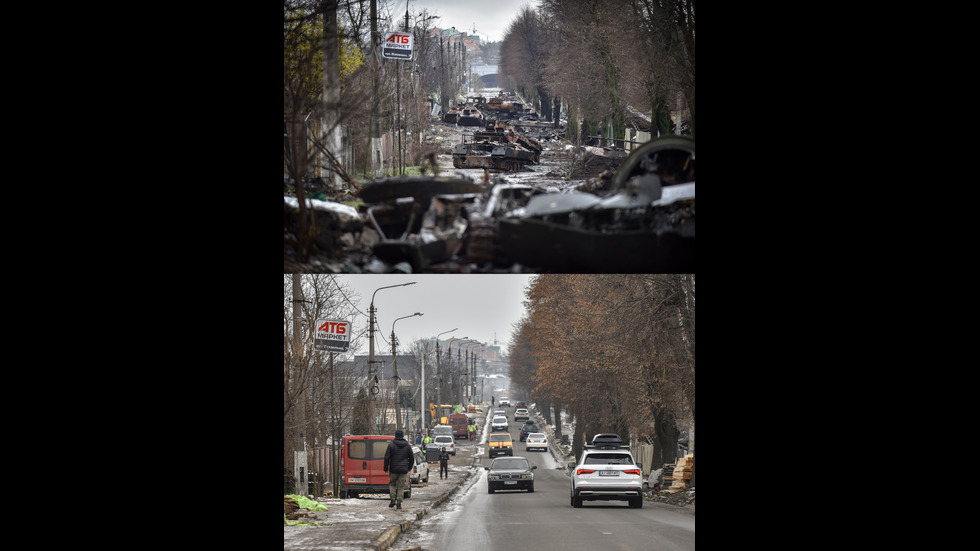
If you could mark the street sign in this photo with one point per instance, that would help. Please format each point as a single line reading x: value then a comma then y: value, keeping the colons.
x: 332, y: 335
x: 397, y: 45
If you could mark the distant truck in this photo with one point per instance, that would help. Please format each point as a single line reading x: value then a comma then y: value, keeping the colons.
x: 460, y: 424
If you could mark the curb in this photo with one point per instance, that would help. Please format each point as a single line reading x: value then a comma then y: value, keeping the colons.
x: 383, y: 542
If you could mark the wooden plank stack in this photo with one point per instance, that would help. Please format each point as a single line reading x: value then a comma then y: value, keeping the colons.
x: 679, y: 479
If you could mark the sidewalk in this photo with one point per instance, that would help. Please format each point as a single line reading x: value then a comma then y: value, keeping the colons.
x: 368, y: 523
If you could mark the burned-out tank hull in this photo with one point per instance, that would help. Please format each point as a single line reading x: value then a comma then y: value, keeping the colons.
x: 493, y: 156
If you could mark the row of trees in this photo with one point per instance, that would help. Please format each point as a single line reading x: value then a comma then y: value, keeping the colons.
x: 603, y: 59
x: 615, y: 351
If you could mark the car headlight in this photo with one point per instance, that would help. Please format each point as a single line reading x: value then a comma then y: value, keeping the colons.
x: 527, y: 476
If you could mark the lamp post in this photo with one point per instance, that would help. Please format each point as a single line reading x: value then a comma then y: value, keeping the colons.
x: 372, y: 388
x: 394, y: 372
x: 422, y: 409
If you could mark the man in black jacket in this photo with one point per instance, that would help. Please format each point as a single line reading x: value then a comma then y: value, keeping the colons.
x: 399, y: 460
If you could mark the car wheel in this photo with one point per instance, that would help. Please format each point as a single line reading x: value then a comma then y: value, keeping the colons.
x: 530, y: 489
x: 489, y: 489
x: 407, y: 494
x: 576, y: 501
x: 636, y: 503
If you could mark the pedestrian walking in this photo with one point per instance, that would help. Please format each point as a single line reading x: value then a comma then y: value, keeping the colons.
x: 399, y: 460
x: 426, y: 441
x: 443, y: 463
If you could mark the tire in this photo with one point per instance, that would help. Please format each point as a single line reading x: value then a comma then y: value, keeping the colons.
x: 489, y: 489
x: 407, y: 494
x: 530, y: 489
x: 636, y: 503
x: 576, y: 501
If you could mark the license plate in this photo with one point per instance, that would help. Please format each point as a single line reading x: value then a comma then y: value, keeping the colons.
x: 510, y: 482
x: 356, y: 480
x: 608, y: 473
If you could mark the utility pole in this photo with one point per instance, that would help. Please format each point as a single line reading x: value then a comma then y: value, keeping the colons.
x: 375, y: 147
x: 299, y: 408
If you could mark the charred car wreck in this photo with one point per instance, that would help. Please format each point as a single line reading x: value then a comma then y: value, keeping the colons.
x: 643, y: 222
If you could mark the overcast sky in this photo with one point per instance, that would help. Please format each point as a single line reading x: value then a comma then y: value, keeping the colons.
x: 491, y: 17
x: 478, y: 306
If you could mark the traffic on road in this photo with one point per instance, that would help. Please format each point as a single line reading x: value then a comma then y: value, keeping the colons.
x: 531, y: 500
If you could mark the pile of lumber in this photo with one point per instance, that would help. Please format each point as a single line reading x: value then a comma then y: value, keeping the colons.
x: 680, y: 478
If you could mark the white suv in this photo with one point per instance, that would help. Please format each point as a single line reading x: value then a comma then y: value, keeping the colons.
x: 443, y: 441
x: 606, y: 471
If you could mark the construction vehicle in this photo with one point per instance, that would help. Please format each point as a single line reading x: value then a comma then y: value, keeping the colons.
x: 440, y: 414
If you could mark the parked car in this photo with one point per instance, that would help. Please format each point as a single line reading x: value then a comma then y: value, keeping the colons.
x: 536, y: 440
x: 498, y: 424
x: 521, y: 413
x: 420, y: 471
x: 606, y: 471
x: 504, y: 402
x: 443, y: 441
x: 510, y: 473
x: 501, y: 444
x: 521, y: 404
x: 528, y: 428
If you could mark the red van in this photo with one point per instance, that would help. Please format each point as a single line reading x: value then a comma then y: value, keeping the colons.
x: 460, y: 424
x: 362, y: 463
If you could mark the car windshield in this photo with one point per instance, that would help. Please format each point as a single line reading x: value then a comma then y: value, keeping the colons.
x: 509, y: 464
x: 499, y: 419
x: 535, y: 436
x: 500, y: 438
x: 608, y: 459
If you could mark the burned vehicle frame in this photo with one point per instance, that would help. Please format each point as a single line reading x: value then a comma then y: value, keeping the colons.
x: 497, y: 148
x: 645, y: 225
x: 420, y: 220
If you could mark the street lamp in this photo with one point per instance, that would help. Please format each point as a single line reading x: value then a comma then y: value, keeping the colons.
x: 372, y: 388
x: 471, y: 361
x: 394, y: 372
